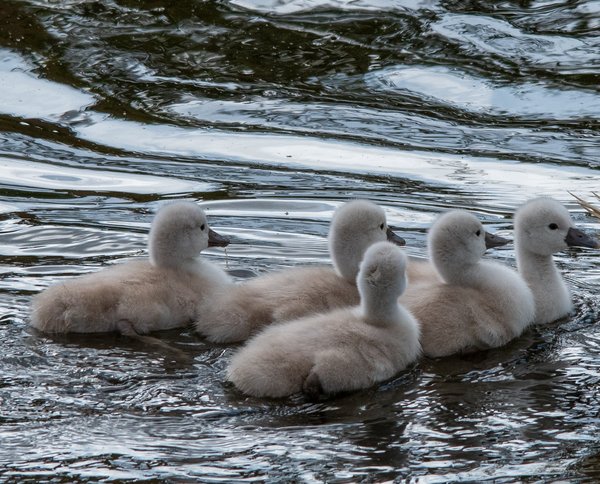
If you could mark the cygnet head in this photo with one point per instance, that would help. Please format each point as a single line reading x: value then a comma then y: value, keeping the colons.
x: 381, y: 279
x: 456, y: 241
x: 179, y: 233
x: 356, y: 226
x: 543, y: 226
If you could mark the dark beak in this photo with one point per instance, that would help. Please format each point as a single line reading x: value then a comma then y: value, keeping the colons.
x: 492, y: 240
x: 395, y: 239
x: 216, y: 240
x: 576, y: 238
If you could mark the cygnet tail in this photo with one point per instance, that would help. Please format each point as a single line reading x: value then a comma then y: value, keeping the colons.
x: 48, y: 312
x: 258, y: 372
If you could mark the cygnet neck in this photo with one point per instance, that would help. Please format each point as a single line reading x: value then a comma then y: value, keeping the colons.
x: 162, y: 260
x: 379, y: 311
x: 346, y: 261
x: 379, y: 305
x: 164, y: 254
x: 459, y: 273
x: 537, y: 268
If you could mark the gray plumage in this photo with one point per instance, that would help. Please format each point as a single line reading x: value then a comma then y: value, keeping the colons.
x: 472, y: 304
x: 346, y: 349
x: 240, y: 311
x: 543, y: 227
x: 161, y: 293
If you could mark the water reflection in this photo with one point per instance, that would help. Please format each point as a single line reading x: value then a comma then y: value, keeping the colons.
x: 449, y: 86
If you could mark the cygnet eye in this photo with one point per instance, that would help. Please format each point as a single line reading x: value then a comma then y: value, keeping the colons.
x: 478, y: 233
x: 552, y: 226
x: 382, y: 226
x: 202, y: 227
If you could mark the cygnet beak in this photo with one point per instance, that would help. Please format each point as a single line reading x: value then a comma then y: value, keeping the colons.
x: 576, y: 238
x: 216, y: 240
x: 493, y: 240
x: 395, y: 239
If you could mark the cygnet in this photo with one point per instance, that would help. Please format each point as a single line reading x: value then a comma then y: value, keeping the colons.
x: 141, y: 296
x: 543, y: 227
x: 473, y: 304
x: 343, y: 350
x: 240, y: 311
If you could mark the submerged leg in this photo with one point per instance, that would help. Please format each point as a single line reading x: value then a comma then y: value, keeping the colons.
x: 312, y: 386
x: 126, y: 328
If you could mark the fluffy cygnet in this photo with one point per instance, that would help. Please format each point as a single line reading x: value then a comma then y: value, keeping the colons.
x: 161, y: 293
x: 240, y: 311
x: 474, y: 304
x: 346, y: 349
x: 543, y: 227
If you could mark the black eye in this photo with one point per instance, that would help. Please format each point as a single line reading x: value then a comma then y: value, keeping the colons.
x: 381, y: 226
x: 202, y: 227
x: 478, y: 233
x: 552, y: 226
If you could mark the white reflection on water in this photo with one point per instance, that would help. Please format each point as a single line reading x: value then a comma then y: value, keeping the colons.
x: 282, y: 7
x: 521, y: 180
x: 470, y: 173
x: 25, y: 95
x: 454, y: 87
x: 496, y: 36
x: 43, y: 175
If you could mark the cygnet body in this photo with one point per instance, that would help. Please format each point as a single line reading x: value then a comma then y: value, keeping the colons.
x: 543, y: 227
x: 239, y: 312
x: 343, y: 350
x: 474, y: 304
x: 161, y: 293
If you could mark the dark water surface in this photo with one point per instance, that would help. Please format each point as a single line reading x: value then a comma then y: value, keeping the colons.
x: 271, y: 113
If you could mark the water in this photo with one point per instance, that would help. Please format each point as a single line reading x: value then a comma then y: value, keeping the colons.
x: 271, y: 114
